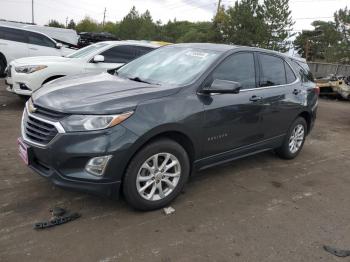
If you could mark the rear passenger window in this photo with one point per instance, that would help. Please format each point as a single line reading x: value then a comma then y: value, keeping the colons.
x: 12, y: 34
x: 119, y: 54
x: 237, y: 68
x: 39, y: 39
x: 272, y: 71
x: 289, y: 74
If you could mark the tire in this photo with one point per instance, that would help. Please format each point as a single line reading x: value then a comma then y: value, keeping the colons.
x: 141, y: 173
x: 286, y: 151
x: 2, y: 66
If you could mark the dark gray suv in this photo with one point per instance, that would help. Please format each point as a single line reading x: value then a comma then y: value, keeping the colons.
x: 176, y: 110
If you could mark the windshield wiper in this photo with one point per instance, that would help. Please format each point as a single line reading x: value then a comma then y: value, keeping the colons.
x: 137, y: 79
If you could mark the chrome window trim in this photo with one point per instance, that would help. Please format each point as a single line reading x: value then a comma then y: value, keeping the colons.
x: 57, y: 125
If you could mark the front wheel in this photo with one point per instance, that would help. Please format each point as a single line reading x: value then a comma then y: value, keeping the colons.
x: 156, y: 175
x: 294, y: 140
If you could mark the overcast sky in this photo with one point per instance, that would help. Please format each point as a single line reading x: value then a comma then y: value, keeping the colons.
x: 303, y: 11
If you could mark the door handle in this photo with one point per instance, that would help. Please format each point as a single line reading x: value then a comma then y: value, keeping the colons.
x: 255, y: 98
x: 32, y: 48
x: 296, y: 91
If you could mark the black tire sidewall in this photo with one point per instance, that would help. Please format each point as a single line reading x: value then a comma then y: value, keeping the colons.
x: 2, y: 66
x: 284, y: 151
x: 129, y: 183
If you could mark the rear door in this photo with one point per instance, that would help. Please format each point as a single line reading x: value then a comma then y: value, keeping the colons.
x: 278, y: 94
x: 40, y: 45
x: 13, y: 43
x: 231, y: 120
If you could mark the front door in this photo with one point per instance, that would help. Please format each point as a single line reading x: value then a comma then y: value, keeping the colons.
x: 232, y: 120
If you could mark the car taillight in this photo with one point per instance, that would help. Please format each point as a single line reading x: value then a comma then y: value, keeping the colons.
x: 317, y: 90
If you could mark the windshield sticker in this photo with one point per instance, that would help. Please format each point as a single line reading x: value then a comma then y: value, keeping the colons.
x: 197, y: 54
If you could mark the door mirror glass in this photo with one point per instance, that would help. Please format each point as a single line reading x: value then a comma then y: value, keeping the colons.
x: 223, y: 87
x: 59, y: 45
x: 98, y: 59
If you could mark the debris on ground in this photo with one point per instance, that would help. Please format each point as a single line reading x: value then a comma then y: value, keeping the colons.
x: 168, y: 210
x: 337, y: 252
x: 58, y: 216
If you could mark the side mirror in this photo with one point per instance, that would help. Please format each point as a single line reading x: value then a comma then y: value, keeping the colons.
x: 98, y: 59
x: 59, y: 45
x: 223, y: 87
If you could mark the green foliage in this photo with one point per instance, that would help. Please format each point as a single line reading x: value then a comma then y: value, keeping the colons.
x: 329, y: 41
x: 88, y: 25
x: 71, y: 24
x: 54, y: 23
x: 278, y: 24
x: 250, y: 23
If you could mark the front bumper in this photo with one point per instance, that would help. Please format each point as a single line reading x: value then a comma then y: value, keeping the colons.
x: 63, y: 160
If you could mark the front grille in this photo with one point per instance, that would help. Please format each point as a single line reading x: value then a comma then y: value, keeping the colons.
x: 49, y: 113
x: 38, y: 131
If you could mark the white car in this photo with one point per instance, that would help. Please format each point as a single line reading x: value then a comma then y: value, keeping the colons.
x: 28, y: 74
x: 19, y: 42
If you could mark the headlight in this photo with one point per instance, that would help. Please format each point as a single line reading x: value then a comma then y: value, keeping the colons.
x: 29, y: 69
x: 92, y: 122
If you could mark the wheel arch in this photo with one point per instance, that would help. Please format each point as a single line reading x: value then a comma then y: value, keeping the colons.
x: 178, y: 136
x: 307, y: 116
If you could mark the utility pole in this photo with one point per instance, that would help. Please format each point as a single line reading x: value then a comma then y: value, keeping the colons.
x: 66, y: 21
x: 219, y: 3
x: 32, y: 11
x: 104, y: 17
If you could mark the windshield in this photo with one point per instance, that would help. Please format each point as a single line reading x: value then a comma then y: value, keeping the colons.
x: 169, y: 65
x: 86, y: 51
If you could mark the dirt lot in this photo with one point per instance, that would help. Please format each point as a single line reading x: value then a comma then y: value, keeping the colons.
x: 256, y: 209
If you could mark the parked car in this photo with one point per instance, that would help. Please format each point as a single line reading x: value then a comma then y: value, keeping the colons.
x: 173, y: 111
x: 334, y: 85
x: 19, y: 42
x: 28, y: 74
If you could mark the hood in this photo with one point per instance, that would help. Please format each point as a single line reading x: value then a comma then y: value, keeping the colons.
x: 40, y: 60
x: 97, y: 94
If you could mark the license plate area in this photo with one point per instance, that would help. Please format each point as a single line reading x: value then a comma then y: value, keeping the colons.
x: 23, y: 151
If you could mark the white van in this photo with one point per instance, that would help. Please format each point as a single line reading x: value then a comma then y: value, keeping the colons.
x: 18, y: 42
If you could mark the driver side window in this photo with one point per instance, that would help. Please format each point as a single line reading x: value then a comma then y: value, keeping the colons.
x: 237, y: 68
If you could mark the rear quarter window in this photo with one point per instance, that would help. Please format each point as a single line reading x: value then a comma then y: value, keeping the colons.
x: 303, y: 70
x: 289, y: 74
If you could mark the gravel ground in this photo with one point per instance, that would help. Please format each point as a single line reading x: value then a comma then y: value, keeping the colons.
x: 259, y: 208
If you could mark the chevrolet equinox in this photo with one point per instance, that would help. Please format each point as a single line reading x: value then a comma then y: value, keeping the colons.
x: 173, y: 111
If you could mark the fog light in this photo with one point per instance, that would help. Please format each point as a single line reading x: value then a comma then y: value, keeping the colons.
x: 97, y: 165
x: 23, y: 86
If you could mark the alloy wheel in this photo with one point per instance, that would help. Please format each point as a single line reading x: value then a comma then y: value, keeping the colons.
x: 158, y: 176
x: 296, y: 139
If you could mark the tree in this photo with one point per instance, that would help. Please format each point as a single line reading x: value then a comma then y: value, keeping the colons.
x: 278, y: 23
x: 88, y: 25
x: 130, y: 25
x: 342, y: 23
x: 244, y: 24
x: 71, y: 24
x: 148, y: 29
x: 55, y: 23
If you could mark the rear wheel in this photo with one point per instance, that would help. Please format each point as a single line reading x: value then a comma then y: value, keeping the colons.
x: 2, y: 66
x: 156, y: 175
x: 294, y: 140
